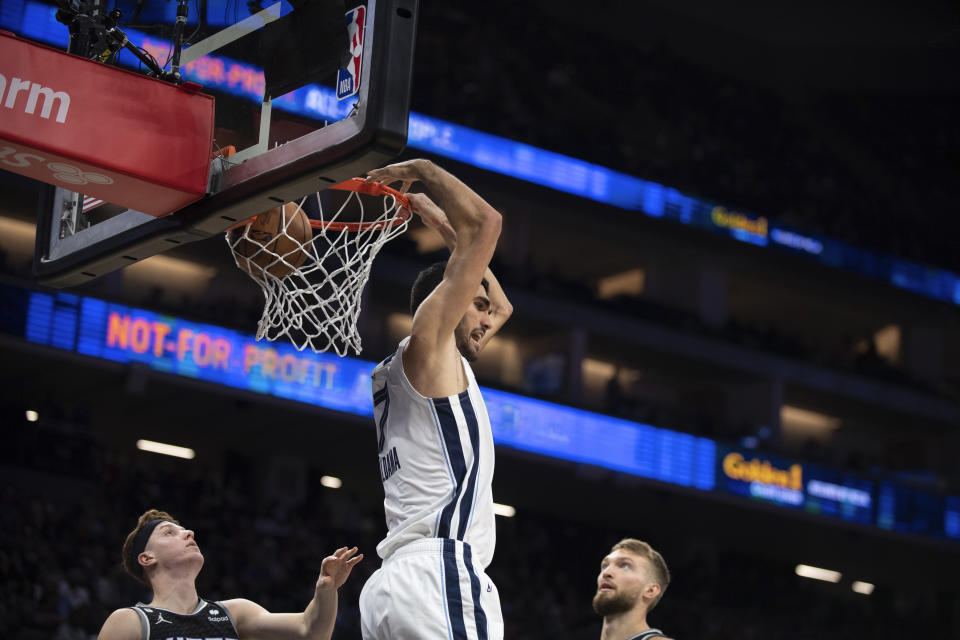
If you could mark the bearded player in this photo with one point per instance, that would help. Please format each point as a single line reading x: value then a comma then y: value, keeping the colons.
x: 633, y: 577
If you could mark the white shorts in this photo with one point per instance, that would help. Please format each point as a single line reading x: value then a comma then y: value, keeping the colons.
x: 430, y: 590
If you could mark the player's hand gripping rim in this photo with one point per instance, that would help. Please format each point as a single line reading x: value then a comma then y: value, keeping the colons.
x: 404, y: 172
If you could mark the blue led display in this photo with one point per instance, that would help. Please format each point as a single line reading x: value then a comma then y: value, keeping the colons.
x: 900, y: 508
x: 763, y: 478
x: 951, y: 517
x: 838, y: 495
x: 518, y: 160
x: 39, y: 327
x: 795, y: 485
x: 206, y: 352
x: 581, y: 436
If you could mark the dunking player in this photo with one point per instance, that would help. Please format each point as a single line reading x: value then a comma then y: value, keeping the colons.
x: 434, y: 437
x: 165, y: 557
x: 633, y: 577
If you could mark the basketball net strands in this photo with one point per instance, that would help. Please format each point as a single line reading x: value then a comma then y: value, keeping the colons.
x: 312, y: 271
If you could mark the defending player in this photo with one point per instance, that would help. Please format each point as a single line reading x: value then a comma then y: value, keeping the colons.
x: 165, y: 557
x: 633, y: 577
x: 434, y: 437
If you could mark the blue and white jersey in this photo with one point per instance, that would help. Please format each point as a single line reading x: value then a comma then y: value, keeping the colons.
x: 436, y: 462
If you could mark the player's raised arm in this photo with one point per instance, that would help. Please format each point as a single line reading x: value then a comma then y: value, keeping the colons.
x: 435, y: 218
x: 477, y: 228
x: 315, y: 623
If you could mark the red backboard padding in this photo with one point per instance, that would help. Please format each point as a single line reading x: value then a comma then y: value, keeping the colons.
x: 102, y: 131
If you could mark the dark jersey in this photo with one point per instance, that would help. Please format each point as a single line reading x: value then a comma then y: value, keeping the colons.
x: 210, y: 621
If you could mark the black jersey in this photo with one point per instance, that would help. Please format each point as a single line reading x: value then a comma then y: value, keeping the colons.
x: 649, y: 633
x: 209, y: 621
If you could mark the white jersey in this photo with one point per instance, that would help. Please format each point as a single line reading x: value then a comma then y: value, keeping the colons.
x: 436, y: 462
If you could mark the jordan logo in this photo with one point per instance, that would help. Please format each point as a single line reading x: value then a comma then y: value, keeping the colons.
x: 160, y: 619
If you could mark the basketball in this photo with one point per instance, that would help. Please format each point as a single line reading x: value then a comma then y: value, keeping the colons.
x: 278, y: 233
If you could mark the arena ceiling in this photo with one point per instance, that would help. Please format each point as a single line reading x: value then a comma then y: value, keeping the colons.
x: 890, y: 45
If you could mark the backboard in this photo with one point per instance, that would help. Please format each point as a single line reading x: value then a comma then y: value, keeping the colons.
x: 341, y: 74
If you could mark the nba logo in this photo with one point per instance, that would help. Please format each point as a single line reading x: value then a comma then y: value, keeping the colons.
x: 348, y: 80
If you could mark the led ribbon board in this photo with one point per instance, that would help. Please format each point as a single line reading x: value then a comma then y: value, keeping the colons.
x: 784, y: 483
x: 176, y: 346
x: 901, y: 508
x: 168, y: 344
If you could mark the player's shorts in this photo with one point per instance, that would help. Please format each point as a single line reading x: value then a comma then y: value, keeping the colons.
x: 430, y: 590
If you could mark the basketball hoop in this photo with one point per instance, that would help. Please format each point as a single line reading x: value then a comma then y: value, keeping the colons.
x: 313, y: 280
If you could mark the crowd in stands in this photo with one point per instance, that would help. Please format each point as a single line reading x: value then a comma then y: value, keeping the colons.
x: 69, y: 500
x: 877, y: 171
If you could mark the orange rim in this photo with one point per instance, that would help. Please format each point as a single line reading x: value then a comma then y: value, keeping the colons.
x: 367, y: 188
x: 371, y: 189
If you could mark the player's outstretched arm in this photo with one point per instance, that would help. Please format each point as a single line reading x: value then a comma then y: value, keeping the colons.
x: 315, y: 623
x: 122, y: 624
x: 435, y: 218
x: 477, y: 226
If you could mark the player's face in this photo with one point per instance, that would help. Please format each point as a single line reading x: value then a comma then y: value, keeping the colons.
x: 475, y: 323
x: 623, y: 578
x: 172, y: 545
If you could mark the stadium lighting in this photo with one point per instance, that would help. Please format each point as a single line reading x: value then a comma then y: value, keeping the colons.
x: 806, y: 571
x: 165, y: 449
x: 331, y: 482
x: 504, y: 510
x: 32, y: 416
x: 862, y: 587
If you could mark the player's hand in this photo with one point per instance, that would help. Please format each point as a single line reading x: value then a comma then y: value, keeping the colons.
x: 335, y: 569
x: 432, y: 215
x: 406, y: 172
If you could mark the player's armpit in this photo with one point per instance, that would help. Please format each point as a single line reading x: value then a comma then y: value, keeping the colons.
x: 122, y: 624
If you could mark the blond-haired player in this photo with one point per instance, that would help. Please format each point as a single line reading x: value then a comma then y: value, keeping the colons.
x: 633, y: 578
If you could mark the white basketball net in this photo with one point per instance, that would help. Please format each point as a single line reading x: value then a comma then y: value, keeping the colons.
x: 318, y: 303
